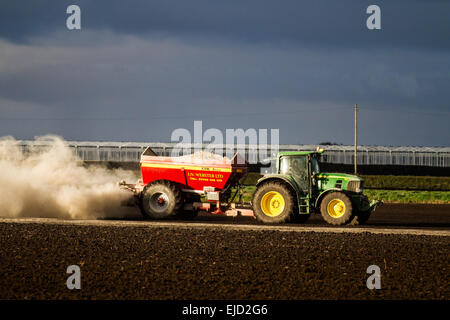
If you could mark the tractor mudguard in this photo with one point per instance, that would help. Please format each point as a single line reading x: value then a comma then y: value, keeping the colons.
x: 323, y: 194
x: 285, y: 178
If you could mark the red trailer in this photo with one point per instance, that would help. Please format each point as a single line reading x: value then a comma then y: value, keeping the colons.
x: 176, y: 185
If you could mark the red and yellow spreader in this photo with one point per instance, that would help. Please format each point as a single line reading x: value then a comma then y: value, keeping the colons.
x: 176, y: 185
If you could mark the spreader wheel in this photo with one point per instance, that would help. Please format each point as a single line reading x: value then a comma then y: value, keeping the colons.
x: 273, y: 203
x: 160, y: 200
x: 336, y: 208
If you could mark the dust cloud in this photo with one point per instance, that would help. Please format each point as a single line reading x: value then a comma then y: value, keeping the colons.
x: 51, y: 182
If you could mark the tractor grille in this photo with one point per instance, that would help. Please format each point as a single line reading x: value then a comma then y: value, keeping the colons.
x: 355, y: 186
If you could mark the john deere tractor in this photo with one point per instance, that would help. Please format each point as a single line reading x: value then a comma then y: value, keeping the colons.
x: 298, y: 189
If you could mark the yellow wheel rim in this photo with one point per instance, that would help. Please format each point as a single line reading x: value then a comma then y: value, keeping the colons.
x: 336, y: 208
x: 272, y: 204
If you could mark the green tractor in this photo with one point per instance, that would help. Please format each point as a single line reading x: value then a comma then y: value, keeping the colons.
x: 299, y: 189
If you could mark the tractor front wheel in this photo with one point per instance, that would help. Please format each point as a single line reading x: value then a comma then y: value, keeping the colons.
x: 336, y: 208
x: 273, y: 203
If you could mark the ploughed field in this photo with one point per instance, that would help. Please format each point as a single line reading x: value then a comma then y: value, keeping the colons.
x: 140, y: 261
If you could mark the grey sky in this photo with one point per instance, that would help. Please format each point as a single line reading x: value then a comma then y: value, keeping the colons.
x: 140, y: 70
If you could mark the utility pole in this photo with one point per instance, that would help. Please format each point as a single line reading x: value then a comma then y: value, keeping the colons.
x: 356, y: 138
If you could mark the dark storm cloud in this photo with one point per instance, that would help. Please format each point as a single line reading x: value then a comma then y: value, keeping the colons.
x: 405, y: 23
x: 153, y: 70
x: 139, y: 69
x: 142, y: 88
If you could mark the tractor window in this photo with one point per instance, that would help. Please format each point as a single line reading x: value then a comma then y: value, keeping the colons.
x: 315, y: 165
x: 293, y: 165
x: 297, y: 168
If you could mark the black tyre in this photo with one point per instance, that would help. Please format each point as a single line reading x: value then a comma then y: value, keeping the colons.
x: 160, y: 200
x: 273, y: 202
x: 360, y: 218
x: 336, y: 208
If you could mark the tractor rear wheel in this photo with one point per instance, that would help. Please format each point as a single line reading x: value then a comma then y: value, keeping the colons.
x: 273, y: 202
x: 160, y: 200
x: 336, y: 208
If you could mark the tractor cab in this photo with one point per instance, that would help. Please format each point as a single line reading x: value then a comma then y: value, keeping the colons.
x: 302, y: 167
